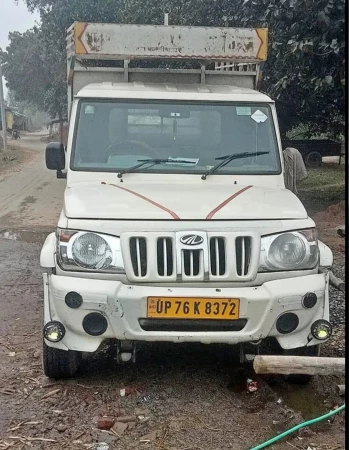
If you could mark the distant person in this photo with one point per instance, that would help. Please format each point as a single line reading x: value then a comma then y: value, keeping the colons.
x: 15, y: 132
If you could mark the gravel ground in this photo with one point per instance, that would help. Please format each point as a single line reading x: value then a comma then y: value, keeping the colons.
x: 327, y: 222
x: 336, y: 345
x: 337, y: 303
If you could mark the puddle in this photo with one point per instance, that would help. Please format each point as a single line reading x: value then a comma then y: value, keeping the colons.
x: 40, y: 188
x: 31, y: 237
x: 29, y: 200
x: 305, y: 400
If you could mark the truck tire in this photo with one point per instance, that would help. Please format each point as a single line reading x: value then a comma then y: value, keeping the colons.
x: 313, y: 350
x: 60, y: 363
x: 313, y: 159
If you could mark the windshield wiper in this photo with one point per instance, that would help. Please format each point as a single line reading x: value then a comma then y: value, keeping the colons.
x: 224, y: 160
x: 153, y: 162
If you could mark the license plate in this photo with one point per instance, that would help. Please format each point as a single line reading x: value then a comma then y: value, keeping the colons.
x: 193, y: 308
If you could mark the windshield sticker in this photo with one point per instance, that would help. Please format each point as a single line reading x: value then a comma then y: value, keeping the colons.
x: 89, y: 109
x: 183, y: 161
x: 259, y: 116
x: 243, y: 111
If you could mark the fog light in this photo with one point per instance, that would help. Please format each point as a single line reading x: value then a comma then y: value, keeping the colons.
x: 309, y: 300
x: 54, y: 331
x: 287, y: 323
x: 95, y: 324
x: 73, y: 300
x: 321, y: 329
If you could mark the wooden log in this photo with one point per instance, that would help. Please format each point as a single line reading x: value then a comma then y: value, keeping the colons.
x: 304, y: 365
x: 341, y: 389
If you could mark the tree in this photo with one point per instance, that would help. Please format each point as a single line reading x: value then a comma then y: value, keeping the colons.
x: 56, y: 17
x: 37, y: 118
x: 304, y: 72
x: 24, y: 67
x: 31, y: 72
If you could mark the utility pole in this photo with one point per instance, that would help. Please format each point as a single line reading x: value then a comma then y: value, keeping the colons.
x: 3, y: 114
x: 166, y: 19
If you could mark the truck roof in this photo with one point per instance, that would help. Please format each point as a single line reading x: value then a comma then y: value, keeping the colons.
x: 170, y: 91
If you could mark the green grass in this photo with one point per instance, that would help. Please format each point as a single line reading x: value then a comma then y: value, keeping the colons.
x: 323, y: 187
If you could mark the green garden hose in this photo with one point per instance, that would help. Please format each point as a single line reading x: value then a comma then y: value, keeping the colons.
x: 297, y: 427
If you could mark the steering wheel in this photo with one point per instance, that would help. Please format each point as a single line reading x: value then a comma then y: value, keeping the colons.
x: 142, y: 145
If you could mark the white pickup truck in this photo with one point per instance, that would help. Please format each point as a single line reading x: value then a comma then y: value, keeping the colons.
x: 176, y: 224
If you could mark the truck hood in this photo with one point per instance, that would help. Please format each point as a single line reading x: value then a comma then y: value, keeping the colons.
x: 160, y: 201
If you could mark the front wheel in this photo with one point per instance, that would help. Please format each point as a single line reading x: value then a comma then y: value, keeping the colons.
x: 313, y: 350
x: 60, y: 363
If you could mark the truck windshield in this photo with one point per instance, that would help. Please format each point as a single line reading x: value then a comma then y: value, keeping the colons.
x: 113, y: 136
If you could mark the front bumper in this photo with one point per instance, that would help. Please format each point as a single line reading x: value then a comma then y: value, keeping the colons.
x: 123, y: 306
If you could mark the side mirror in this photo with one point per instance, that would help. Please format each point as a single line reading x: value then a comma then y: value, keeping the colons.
x: 61, y: 174
x: 55, y: 156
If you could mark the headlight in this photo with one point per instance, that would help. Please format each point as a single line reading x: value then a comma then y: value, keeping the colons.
x: 296, y: 250
x: 82, y: 250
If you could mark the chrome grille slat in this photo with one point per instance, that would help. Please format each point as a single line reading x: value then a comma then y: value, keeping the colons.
x: 164, y: 244
x: 217, y: 256
x: 138, y: 254
x: 191, y: 264
x: 139, y: 265
x: 242, y: 256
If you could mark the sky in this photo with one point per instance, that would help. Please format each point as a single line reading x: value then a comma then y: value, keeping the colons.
x: 14, y: 17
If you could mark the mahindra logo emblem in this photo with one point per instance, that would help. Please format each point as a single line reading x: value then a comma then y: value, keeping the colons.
x: 191, y: 239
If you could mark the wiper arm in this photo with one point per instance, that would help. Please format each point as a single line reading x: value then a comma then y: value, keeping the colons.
x: 144, y: 162
x: 224, y: 160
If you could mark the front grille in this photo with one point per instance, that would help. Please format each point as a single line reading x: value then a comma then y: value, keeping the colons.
x: 243, y: 255
x: 217, y: 256
x: 154, y: 257
x: 138, y: 252
x: 164, y: 252
x: 192, y: 325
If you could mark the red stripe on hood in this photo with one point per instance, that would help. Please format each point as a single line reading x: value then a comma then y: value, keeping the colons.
x: 173, y: 214
x: 228, y: 200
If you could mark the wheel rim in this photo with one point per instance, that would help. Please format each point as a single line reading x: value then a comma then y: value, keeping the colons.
x: 314, y: 159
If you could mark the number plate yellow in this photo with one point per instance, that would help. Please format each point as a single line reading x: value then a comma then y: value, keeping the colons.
x: 193, y: 308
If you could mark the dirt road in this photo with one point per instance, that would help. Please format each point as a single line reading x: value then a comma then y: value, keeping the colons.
x: 189, y: 397
x: 32, y: 196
